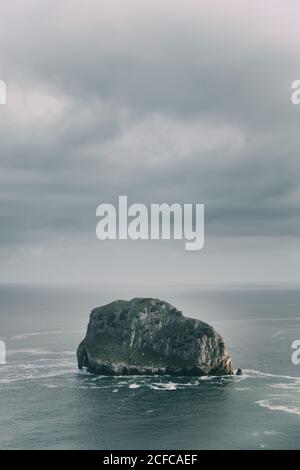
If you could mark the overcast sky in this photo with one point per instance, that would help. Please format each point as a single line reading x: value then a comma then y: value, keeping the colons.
x: 164, y: 101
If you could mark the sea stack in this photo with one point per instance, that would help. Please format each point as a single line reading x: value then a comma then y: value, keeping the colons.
x: 146, y: 336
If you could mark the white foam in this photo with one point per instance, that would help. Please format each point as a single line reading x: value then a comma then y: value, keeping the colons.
x: 257, y: 373
x: 288, y: 386
x: 43, y: 333
x: 36, y: 333
x: 31, y: 370
x: 271, y: 406
x: 164, y: 386
x: 32, y: 351
x: 84, y: 372
x: 134, y: 386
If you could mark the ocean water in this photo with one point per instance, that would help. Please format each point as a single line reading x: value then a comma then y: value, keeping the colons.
x: 46, y: 403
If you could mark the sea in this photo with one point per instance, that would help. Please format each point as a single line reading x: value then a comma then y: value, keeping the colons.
x: 47, y: 403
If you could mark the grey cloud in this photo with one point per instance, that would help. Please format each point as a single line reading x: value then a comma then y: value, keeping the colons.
x: 182, y: 108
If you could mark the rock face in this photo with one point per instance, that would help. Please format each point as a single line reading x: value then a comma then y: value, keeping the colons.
x: 149, y: 336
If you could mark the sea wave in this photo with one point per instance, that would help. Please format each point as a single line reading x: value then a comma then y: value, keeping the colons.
x: 257, y: 373
x: 271, y: 405
x: 42, y: 333
x: 134, y: 386
x: 32, y: 370
x: 31, y: 351
x: 164, y: 386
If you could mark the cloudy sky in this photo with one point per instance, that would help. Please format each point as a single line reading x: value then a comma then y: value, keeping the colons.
x: 162, y: 101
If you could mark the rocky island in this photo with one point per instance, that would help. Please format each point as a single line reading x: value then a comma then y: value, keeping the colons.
x: 146, y: 336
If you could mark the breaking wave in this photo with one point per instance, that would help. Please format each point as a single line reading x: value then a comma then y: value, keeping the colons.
x: 271, y: 405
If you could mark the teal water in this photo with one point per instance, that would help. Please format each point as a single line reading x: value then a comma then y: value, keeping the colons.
x: 46, y: 403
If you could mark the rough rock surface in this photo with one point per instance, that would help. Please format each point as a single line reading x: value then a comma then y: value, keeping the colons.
x: 150, y: 336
